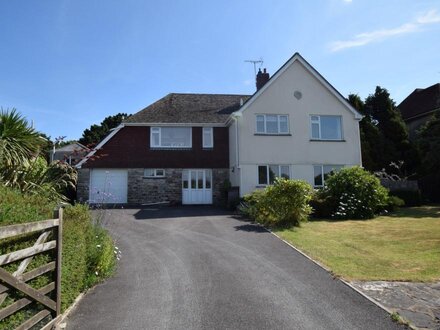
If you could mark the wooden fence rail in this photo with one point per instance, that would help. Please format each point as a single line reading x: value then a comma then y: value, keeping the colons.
x: 17, y: 281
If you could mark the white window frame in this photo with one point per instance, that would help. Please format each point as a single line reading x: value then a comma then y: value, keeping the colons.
x: 208, y: 144
x: 155, y: 175
x: 323, y: 174
x: 319, y: 127
x: 278, y: 124
x: 158, y: 130
x: 268, y: 173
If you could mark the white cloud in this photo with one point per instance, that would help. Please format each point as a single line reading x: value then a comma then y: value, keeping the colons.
x: 430, y: 17
x: 348, y: 1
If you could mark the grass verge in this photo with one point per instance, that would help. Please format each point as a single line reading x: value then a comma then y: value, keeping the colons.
x: 403, y: 246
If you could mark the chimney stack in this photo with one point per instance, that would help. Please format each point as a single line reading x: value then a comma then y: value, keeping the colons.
x: 262, y: 78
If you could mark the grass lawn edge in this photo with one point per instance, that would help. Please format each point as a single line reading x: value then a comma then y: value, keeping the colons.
x: 347, y: 283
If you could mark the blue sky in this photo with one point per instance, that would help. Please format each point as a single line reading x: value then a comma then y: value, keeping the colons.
x: 67, y: 64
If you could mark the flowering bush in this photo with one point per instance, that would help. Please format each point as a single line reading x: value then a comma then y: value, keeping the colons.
x: 283, y: 204
x: 357, y: 193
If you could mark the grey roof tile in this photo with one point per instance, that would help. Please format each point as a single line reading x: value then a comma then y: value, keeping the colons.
x: 189, y: 108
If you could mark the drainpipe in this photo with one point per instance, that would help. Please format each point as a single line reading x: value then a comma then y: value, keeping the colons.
x: 236, y: 116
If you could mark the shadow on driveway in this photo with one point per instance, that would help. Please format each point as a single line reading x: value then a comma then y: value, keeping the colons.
x: 170, y: 212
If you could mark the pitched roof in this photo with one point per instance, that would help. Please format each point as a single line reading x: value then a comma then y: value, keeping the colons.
x: 189, y: 108
x: 297, y: 57
x: 420, y: 102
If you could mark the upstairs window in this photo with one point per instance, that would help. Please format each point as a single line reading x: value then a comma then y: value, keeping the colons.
x: 321, y: 173
x: 171, y: 137
x: 208, y: 137
x: 326, y: 127
x: 272, y: 124
x: 268, y: 173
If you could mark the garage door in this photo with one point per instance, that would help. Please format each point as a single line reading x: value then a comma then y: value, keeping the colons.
x: 108, y: 186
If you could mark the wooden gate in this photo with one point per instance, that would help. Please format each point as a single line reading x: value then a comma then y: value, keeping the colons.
x: 51, y: 304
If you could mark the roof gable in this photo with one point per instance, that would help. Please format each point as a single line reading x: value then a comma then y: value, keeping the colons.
x: 313, y: 72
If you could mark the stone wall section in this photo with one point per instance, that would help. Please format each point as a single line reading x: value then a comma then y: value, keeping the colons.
x: 143, y: 190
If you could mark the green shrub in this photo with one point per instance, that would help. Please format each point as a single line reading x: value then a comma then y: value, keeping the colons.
x: 322, y: 206
x: 252, y: 205
x: 358, y: 193
x: 88, y: 251
x: 410, y: 197
x: 394, y: 203
x: 283, y: 204
x: 18, y: 208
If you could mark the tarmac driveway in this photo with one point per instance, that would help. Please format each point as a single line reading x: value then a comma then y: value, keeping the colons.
x: 201, y: 268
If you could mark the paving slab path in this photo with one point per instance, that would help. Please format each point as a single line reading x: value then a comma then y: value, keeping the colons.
x: 202, y: 268
x: 418, y: 303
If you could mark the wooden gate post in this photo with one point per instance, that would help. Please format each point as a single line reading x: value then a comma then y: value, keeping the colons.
x: 58, y: 213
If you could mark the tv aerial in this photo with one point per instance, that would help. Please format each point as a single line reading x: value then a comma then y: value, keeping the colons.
x: 255, y: 63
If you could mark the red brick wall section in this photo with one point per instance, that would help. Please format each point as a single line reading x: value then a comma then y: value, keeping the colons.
x: 130, y: 148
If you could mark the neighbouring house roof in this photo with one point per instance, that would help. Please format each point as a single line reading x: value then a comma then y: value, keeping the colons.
x: 76, y: 146
x: 189, y: 108
x: 420, y: 102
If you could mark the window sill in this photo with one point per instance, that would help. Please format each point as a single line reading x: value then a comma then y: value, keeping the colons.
x: 267, y: 134
x: 153, y: 177
x: 171, y: 148
x: 323, y: 140
x: 208, y: 148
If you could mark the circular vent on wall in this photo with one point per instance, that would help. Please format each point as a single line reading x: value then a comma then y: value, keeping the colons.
x: 298, y: 95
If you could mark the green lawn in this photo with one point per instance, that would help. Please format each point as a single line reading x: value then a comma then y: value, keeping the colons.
x: 403, y: 246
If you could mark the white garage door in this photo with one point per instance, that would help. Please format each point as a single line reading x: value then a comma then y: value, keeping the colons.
x: 108, y: 186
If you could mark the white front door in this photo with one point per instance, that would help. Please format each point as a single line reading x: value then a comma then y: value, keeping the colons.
x: 197, y: 187
x: 108, y: 186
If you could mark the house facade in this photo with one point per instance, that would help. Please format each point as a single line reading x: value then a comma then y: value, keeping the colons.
x: 186, y: 148
x: 419, y: 106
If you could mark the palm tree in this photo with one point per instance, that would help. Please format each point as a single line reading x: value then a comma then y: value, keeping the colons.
x: 19, y: 142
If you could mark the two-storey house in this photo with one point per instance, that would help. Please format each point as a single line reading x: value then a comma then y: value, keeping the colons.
x: 184, y: 147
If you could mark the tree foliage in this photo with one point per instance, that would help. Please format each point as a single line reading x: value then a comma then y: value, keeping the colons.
x: 22, y: 167
x: 96, y: 133
x: 19, y: 142
x: 384, y: 135
x: 429, y: 142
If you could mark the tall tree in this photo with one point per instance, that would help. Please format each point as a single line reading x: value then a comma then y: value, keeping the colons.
x: 428, y: 139
x: 395, y: 144
x: 370, y: 135
x: 96, y: 133
x: 429, y: 142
